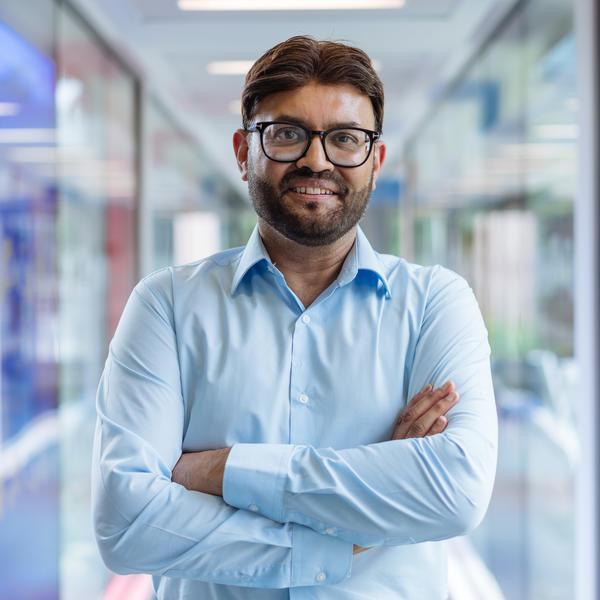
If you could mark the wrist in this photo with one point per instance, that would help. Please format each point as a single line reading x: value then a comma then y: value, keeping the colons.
x: 213, y: 480
x: 202, y: 471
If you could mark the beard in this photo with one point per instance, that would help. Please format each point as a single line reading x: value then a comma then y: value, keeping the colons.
x: 308, y: 224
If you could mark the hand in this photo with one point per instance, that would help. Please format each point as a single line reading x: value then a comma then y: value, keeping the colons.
x: 425, y: 414
x: 202, y: 471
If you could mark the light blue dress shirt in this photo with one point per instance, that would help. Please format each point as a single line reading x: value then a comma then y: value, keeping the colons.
x: 222, y: 353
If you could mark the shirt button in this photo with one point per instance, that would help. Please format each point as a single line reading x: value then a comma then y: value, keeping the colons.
x: 253, y: 508
x: 321, y: 576
x: 303, y: 398
x: 305, y: 319
x: 330, y: 531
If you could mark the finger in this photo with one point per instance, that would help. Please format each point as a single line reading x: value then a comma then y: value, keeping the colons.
x: 414, y: 411
x: 421, y: 400
x: 417, y: 397
x: 432, y: 394
x: 438, y: 426
x: 423, y: 424
x: 416, y: 423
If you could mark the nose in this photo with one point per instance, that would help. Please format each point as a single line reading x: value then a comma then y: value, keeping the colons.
x: 314, y: 158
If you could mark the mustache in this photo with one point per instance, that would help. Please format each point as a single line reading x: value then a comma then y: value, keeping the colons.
x: 305, y: 172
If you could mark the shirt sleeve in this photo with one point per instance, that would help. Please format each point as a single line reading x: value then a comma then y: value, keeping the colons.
x: 146, y: 523
x: 401, y: 491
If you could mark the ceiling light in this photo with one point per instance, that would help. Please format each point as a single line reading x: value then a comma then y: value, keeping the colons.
x: 229, y: 67
x: 287, y: 4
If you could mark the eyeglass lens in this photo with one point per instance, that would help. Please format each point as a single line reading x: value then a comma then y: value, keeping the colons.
x: 344, y: 147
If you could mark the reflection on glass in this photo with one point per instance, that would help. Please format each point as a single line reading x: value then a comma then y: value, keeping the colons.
x: 28, y: 374
x: 97, y: 242
x: 494, y: 200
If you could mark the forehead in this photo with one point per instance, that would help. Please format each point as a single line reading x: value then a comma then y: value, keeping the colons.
x: 319, y: 106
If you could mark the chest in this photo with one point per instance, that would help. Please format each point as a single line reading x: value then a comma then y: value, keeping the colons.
x: 334, y: 375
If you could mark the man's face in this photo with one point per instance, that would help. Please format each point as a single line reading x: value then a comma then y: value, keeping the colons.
x: 310, y: 201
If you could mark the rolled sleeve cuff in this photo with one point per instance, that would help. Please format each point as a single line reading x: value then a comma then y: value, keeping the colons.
x: 255, y: 477
x: 319, y: 559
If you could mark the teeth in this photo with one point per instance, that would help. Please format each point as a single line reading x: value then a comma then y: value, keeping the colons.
x: 309, y: 190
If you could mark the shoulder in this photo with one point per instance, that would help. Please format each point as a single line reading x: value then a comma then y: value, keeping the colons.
x: 173, y: 278
x: 164, y: 286
x: 422, y: 281
x: 438, y: 299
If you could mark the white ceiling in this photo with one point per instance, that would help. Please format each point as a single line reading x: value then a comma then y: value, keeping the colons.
x: 419, y: 48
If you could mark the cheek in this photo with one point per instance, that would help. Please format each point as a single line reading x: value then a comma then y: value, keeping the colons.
x: 266, y: 169
x: 358, y: 178
x: 257, y: 159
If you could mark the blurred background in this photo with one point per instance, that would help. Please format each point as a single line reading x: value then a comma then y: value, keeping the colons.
x: 116, y: 118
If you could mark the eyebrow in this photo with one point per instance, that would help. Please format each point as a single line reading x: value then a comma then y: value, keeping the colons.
x: 297, y: 121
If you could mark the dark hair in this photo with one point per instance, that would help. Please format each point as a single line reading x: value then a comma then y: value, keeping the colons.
x: 301, y: 59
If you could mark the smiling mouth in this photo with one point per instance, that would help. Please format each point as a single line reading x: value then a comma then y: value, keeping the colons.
x: 312, y: 191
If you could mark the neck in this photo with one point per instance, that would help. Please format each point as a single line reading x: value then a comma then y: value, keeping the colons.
x: 308, y: 270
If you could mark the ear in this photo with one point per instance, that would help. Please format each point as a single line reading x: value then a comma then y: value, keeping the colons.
x: 378, y: 158
x: 240, y: 148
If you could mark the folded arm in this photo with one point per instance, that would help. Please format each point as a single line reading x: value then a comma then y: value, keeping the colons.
x: 404, y: 490
x: 423, y: 416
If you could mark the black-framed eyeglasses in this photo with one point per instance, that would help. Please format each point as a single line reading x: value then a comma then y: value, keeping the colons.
x: 288, y: 142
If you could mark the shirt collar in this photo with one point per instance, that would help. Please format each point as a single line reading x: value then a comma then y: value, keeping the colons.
x: 253, y: 254
x: 361, y: 257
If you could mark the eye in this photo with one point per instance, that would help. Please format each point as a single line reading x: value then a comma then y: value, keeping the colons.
x: 285, y: 134
x: 347, y: 139
x: 288, y: 133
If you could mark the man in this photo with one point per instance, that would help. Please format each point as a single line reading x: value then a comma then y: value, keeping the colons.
x: 248, y: 441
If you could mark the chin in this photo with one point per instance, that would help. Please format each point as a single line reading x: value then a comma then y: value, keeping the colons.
x: 312, y: 236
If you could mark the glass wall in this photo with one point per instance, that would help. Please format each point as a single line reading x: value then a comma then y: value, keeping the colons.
x: 29, y: 465
x: 96, y: 232
x: 491, y: 190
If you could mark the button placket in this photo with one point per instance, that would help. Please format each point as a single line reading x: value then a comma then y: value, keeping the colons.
x: 300, y: 383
